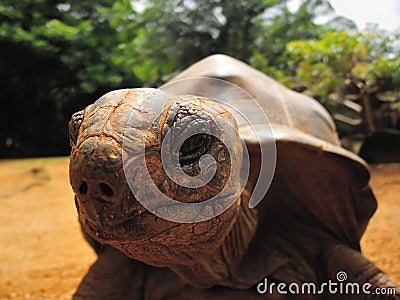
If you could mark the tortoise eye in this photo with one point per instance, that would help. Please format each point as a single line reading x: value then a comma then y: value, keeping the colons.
x: 194, y: 147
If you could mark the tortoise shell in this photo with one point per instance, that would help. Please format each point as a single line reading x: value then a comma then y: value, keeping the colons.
x: 306, y: 228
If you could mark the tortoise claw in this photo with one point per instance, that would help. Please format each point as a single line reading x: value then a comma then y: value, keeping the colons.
x: 382, y: 282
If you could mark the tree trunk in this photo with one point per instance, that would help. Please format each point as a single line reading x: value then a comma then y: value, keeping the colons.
x: 368, y: 113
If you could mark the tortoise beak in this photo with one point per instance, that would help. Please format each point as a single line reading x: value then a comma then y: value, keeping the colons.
x: 97, y: 180
x: 107, y: 208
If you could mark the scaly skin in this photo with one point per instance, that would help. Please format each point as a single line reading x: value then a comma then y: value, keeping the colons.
x: 305, y: 230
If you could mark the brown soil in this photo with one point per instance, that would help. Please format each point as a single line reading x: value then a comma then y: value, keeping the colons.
x: 43, y: 255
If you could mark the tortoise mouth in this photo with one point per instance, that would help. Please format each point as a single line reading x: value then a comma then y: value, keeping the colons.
x: 140, y: 224
x: 131, y: 229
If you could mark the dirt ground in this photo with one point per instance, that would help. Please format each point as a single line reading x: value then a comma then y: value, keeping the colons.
x: 43, y: 255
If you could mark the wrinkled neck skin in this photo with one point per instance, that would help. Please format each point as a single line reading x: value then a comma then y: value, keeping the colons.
x: 202, y: 254
x: 220, y: 267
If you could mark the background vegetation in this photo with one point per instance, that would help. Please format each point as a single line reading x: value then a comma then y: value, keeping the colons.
x: 57, y: 56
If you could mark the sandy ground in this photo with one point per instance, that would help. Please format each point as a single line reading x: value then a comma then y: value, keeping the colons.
x: 43, y: 255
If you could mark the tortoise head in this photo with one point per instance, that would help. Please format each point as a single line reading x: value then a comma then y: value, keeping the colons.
x: 154, y: 175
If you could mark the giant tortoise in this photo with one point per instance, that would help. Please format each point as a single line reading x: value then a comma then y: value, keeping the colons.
x: 299, y: 240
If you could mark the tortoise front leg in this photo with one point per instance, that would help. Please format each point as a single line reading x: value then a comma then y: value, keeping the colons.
x: 342, y: 264
x: 113, y: 276
x: 222, y: 293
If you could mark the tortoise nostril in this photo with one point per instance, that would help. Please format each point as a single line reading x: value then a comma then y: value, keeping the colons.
x: 106, y: 189
x: 83, y: 188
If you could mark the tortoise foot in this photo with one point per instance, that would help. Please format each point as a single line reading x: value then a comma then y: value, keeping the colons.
x: 383, y: 287
x: 350, y: 268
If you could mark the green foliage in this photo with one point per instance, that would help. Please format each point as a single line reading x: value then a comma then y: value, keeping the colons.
x: 285, y: 26
x: 58, y: 56
x: 176, y: 33
x: 323, y: 65
x: 345, y: 66
x: 55, y: 58
x: 326, y: 65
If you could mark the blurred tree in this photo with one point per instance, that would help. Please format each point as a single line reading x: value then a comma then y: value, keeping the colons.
x: 176, y: 33
x: 352, y: 74
x: 287, y: 24
x: 58, y: 56
x: 55, y: 57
